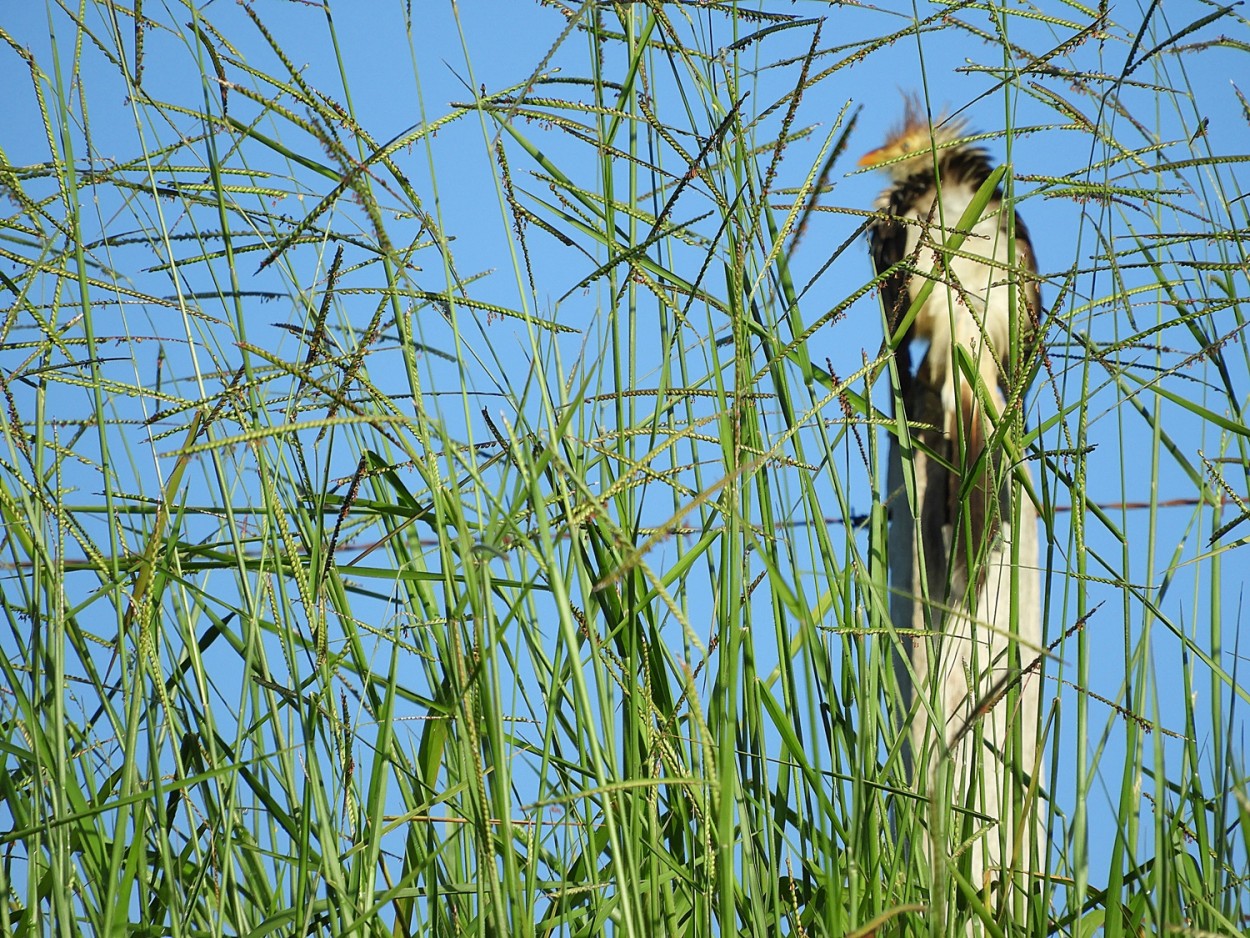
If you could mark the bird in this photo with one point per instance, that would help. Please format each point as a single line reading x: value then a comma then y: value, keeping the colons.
x: 964, y: 601
x: 977, y: 299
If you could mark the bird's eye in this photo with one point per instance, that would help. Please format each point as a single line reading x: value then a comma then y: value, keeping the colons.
x: 906, y: 146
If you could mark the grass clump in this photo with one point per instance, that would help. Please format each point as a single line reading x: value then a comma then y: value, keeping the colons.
x: 464, y: 515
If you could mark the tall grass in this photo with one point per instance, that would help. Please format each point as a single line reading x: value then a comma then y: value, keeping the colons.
x: 430, y: 516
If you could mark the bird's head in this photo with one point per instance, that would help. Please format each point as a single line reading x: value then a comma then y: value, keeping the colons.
x: 909, y: 149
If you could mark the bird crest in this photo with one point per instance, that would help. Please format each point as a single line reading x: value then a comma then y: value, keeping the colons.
x: 909, y: 148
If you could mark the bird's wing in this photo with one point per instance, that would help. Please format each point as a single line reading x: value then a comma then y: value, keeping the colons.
x: 887, y: 243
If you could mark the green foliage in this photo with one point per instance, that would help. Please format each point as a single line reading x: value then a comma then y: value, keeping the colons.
x: 471, y: 522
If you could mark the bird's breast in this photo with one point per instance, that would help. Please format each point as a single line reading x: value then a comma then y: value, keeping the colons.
x: 970, y: 300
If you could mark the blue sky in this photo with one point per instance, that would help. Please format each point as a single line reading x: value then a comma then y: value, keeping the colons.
x: 395, y: 78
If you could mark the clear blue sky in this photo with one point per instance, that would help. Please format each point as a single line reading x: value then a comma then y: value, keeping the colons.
x: 391, y: 74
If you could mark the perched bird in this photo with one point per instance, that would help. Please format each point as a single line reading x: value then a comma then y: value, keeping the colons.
x: 964, y: 598
x: 977, y: 298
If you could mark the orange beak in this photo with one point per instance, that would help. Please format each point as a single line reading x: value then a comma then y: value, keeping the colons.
x: 873, y: 157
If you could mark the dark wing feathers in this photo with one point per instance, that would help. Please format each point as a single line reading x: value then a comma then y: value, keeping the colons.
x: 887, y: 242
x: 962, y: 444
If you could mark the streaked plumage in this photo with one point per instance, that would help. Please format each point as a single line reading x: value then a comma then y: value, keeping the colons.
x: 968, y: 609
x: 973, y: 300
